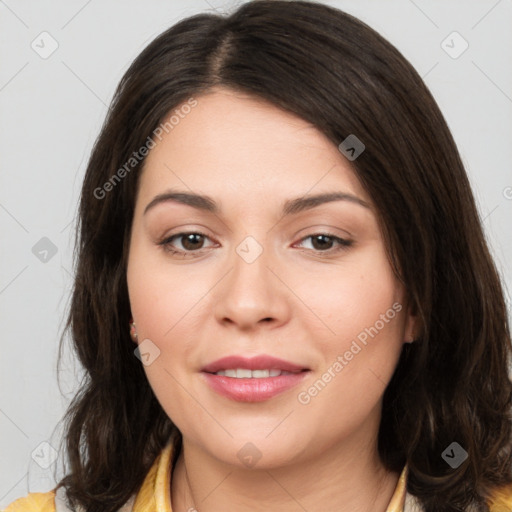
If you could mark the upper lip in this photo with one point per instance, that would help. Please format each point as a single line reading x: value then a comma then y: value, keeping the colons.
x: 260, y: 362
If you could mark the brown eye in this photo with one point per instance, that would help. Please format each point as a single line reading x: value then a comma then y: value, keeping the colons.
x: 323, y: 242
x: 190, y: 242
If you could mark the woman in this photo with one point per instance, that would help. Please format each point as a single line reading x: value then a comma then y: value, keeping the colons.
x: 283, y: 299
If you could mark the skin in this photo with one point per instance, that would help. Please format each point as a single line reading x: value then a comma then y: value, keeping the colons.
x: 292, y: 302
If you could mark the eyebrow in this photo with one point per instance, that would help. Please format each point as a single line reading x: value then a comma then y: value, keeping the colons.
x: 290, y: 207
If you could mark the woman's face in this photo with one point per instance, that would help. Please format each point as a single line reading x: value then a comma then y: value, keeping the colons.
x: 270, y: 274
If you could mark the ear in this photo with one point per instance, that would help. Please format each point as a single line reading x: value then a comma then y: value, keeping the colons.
x: 412, y: 325
x: 133, y: 332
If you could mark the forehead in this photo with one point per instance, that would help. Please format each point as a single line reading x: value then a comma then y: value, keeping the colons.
x: 230, y: 142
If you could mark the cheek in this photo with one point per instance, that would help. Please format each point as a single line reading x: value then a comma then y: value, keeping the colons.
x: 352, y: 295
x: 160, y: 293
x: 165, y: 303
x: 360, y: 336
x: 158, y: 301
x: 358, y: 364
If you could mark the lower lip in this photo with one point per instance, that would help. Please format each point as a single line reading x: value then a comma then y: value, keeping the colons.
x: 253, y: 390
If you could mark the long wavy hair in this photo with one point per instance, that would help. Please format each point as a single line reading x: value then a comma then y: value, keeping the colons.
x: 337, y: 73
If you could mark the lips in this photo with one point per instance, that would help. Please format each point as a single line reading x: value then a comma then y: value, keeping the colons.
x: 251, y: 383
x: 261, y: 362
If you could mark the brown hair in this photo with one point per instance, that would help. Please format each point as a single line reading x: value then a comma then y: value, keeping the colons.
x: 335, y: 72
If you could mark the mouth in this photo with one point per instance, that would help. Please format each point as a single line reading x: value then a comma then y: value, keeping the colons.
x: 244, y: 373
x: 252, y: 380
x: 241, y: 365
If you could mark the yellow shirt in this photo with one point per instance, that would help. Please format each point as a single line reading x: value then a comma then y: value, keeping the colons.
x: 154, y: 494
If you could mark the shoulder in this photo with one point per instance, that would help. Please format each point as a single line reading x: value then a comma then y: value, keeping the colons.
x: 501, y: 499
x: 33, y: 502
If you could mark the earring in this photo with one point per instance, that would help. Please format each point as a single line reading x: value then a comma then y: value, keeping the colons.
x: 133, y: 331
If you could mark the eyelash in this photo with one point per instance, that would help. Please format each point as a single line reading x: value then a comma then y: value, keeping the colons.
x: 344, y: 244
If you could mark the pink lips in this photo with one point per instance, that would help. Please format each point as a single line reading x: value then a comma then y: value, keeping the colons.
x: 261, y: 362
x: 252, y: 389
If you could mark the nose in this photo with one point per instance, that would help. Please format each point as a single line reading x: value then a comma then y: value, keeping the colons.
x: 252, y: 295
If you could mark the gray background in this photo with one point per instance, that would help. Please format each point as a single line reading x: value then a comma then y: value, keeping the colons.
x: 51, y: 112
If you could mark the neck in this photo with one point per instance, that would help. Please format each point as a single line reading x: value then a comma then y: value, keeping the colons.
x: 345, y: 477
